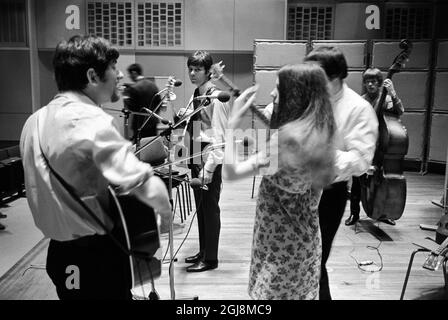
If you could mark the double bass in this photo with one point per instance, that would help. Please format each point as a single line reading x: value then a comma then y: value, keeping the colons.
x: 383, y: 188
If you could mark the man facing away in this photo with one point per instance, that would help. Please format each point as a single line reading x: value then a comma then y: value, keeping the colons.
x: 355, y: 141
x: 83, y: 146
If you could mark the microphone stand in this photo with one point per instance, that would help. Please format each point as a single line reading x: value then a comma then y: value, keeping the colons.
x: 154, y: 112
x: 167, y: 133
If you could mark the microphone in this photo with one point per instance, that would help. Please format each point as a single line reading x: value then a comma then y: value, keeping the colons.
x: 152, y: 113
x: 177, y: 83
x: 196, y: 184
x: 222, y: 96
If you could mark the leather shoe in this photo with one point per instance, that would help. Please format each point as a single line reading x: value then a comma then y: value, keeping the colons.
x: 387, y: 221
x: 194, y: 259
x: 352, y: 219
x: 2, y: 227
x: 2, y: 216
x: 202, y: 266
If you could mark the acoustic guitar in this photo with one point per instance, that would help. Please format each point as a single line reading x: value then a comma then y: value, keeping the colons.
x: 141, y: 231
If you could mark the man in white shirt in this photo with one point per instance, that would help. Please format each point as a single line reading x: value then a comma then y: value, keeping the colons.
x: 83, y: 146
x: 355, y: 140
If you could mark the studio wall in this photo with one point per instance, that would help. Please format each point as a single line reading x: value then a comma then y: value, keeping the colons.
x: 227, y: 28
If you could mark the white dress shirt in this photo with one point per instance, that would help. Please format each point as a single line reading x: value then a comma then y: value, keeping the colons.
x: 85, y: 148
x: 212, y: 127
x: 356, y: 133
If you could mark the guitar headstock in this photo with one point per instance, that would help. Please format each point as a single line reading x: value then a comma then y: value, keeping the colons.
x: 216, y: 71
x: 400, y: 60
x: 170, y: 84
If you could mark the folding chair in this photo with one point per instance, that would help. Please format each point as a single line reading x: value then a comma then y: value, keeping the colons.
x: 438, y: 254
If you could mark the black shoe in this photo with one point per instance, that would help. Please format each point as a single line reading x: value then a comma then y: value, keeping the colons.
x: 2, y: 227
x: 387, y: 221
x: 194, y: 259
x: 352, y: 219
x: 2, y: 215
x: 203, y: 266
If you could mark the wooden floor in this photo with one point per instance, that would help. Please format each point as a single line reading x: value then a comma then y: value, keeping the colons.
x: 230, y: 280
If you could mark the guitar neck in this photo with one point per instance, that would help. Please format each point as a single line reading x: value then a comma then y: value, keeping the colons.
x: 236, y: 93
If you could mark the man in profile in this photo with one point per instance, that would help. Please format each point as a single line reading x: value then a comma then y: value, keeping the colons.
x: 73, y: 140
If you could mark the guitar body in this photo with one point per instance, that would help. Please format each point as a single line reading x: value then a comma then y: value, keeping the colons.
x: 139, y: 225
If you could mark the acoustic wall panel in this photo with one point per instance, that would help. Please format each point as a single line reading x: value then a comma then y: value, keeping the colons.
x: 414, y: 123
x: 276, y: 54
x: 439, y: 141
x: 411, y: 88
x: 266, y: 80
x: 354, y: 52
x: 441, y: 92
x: 384, y: 53
x: 354, y: 81
x: 442, y: 55
x: 160, y: 24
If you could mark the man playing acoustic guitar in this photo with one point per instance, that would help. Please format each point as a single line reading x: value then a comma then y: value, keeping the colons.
x: 73, y: 140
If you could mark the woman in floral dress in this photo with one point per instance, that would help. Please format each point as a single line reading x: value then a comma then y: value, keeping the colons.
x: 286, y: 248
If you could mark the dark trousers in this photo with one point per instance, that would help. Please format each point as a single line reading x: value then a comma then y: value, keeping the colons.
x: 209, y: 214
x: 95, y: 263
x: 331, y: 209
x: 355, y: 196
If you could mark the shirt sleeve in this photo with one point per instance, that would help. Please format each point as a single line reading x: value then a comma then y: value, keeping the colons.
x: 394, y: 105
x: 115, y: 159
x: 219, y: 120
x: 360, y: 136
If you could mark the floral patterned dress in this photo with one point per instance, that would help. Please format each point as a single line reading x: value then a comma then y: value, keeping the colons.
x: 286, y: 248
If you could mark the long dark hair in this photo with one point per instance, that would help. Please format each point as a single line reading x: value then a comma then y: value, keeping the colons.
x: 303, y: 92
x: 305, y: 121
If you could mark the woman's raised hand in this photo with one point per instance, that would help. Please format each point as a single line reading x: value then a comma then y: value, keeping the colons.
x: 240, y: 106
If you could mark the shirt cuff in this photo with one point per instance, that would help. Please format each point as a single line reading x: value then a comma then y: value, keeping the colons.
x: 210, y: 166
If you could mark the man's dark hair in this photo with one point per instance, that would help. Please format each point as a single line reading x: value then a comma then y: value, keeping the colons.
x: 74, y: 57
x: 135, y: 67
x: 200, y: 59
x: 331, y: 59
